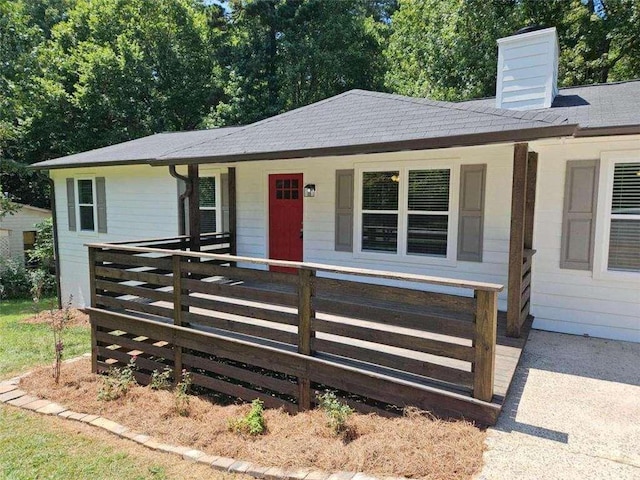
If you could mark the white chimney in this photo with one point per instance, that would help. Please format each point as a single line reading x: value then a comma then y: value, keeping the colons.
x: 528, y: 70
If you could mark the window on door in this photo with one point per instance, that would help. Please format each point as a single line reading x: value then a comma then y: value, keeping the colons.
x: 208, y: 205
x: 624, y: 233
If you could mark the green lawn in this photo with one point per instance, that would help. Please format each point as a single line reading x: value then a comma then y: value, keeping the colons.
x: 27, y: 450
x: 36, y: 446
x: 23, y: 346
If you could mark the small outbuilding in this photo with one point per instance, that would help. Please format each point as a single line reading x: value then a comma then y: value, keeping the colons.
x: 18, y: 232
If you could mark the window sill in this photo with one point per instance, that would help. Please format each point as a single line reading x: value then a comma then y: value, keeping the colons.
x: 406, y: 259
x: 618, y: 276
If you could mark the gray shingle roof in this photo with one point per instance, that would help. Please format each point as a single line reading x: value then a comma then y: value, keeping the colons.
x: 141, y: 150
x: 358, y: 120
x: 591, y: 106
x: 359, y: 117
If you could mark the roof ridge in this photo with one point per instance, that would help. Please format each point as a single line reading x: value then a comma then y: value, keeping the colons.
x: 498, y: 112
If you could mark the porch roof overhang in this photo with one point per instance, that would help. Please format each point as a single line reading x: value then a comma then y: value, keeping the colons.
x: 431, y: 143
x: 512, y: 136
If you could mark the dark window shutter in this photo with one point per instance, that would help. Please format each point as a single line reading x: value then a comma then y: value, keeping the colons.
x: 344, y: 211
x: 471, y: 212
x: 71, y: 203
x: 224, y: 193
x: 578, y: 220
x: 101, y: 204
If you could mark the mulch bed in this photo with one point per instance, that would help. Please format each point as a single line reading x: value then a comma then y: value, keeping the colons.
x: 414, y: 445
x: 76, y: 318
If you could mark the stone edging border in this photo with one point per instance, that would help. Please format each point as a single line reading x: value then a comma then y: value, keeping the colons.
x: 10, y: 394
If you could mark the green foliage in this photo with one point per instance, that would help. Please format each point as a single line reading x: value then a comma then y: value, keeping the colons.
x: 42, y: 253
x: 41, y: 283
x: 181, y: 394
x: 7, y: 205
x: 28, y: 187
x: 253, y: 423
x: 118, y: 382
x: 447, y: 50
x: 160, y: 380
x: 108, y: 70
x: 284, y: 54
x: 337, y: 412
x: 14, y: 280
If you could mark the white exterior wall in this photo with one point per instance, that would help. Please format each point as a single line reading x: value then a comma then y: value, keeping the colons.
x: 141, y: 203
x: 319, y: 212
x: 24, y: 220
x: 598, y: 303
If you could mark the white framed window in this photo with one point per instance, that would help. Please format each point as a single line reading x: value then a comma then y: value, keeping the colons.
x: 86, y: 204
x: 624, y: 226
x: 210, y: 212
x: 618, y: 233
x: 407, y: 212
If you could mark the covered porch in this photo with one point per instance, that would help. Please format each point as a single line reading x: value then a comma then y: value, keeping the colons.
x: 248, y: 332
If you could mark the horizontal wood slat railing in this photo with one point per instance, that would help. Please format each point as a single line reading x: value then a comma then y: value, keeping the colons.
x: 193, y: 310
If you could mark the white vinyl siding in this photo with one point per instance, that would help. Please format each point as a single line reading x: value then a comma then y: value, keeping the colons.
x: 13, y: 227
x: 141, y: 202
x: 320, y: 212
x: 602, y: 302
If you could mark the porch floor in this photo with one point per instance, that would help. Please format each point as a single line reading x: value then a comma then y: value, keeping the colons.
x: 508, y: 350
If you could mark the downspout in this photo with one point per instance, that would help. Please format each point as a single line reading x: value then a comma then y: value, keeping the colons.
x: 183, y: 196
x: 56, y: 250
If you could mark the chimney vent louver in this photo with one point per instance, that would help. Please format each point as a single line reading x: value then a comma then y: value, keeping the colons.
x: 527, y: 69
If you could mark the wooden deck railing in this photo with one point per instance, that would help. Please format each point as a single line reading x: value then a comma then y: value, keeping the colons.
x: 192, y: 310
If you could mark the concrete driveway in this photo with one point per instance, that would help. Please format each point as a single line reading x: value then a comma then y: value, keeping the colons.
x: 573, y: 412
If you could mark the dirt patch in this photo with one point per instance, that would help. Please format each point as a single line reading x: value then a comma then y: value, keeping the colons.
x: 413, y: 446
x: 77, y: 318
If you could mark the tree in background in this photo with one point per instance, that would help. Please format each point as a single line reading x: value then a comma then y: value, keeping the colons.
x: 288, y: 53
x: 447, y: 50
x: 27, y: 186
x: 106, y: 71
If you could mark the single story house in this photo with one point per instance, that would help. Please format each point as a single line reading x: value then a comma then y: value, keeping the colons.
x: 18, y: 232
x: 540, y: 176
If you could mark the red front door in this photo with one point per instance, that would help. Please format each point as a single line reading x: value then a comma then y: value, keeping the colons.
x: 285, y: 218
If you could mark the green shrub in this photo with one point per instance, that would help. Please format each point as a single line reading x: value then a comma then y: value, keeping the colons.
x: 337, y: 412
x: 160, y: 380
x: 118, y: 382
x: 182, y: 394
x: 14, y: 280
x: 252, y: 423
x: 42, y: 283
x: 42, y: 254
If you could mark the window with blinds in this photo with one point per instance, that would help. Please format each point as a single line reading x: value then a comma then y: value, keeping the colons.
x: 624, y: 235
x: 380, y: 211
x: 428, y: 212
x: 423, y: 211
x: 208, y: 207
